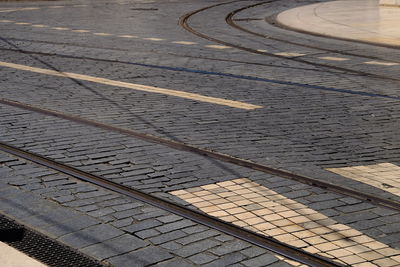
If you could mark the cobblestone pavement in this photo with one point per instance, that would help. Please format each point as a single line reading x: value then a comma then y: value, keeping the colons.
x: 324, y: 108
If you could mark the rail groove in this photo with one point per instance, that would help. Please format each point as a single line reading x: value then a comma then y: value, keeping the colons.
x: 230, y: 20
x: 212, y: 222
x: 387, y: 203
x: 183, y: 21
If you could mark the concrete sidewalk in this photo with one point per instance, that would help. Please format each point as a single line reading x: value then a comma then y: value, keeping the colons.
x: 360, y: 20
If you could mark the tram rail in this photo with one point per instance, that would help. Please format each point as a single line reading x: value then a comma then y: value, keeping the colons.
x: 387, y: 203
x: 184, y: 22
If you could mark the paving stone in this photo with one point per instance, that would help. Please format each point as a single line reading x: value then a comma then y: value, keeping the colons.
x: 202, y: 258
x: 262, y: 260
x: 143, y: 225
x: 91, y: 235
x: 163, y: 238
x: 174, y: 226
x: 117, y: 246
x: 141, y: 257
x: 227, y: 260
x: 196, y: 248
x: 230, y: 247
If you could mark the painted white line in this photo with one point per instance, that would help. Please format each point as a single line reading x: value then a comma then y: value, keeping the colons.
x: 19, y: 9
x: 56, y: 6
x: 6, y: 20
x: 139, y: 87
x: 218, y: 46
x: 289, y: 54
x: 60, y: 28
x: 184, y: 42
x: 102, y: 34
x: 40, y: 26
x: 262, y: 50
x: 154, y: 39
x: 80, y: 31
x: 127, y: 36
x: 382, y: 63
x: 22, y: 23
x: 334, y: 58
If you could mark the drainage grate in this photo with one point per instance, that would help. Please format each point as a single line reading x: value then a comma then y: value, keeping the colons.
x: 42, y: 248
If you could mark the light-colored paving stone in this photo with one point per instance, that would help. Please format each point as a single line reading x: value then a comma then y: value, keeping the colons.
x: 257, y: 208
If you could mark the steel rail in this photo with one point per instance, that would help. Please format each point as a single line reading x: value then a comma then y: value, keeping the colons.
x: 231, y: 22
x: 201, y: 218
x: 387, y: 203
x: 183, y: 21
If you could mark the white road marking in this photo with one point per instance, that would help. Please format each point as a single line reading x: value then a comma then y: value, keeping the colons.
x: 139, y: 87
x: 218, y: 46
x: 382, y: 63
x: 184, y: 42
x: 334, y: 58
x: 289, y: 54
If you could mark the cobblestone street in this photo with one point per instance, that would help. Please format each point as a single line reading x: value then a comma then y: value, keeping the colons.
x: 244, y: 135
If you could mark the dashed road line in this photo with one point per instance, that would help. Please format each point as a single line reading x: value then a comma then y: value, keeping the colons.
x: 138, y: 87
x: 184, y: 42
x: 289, y: 54
x: 382, y: 63
x: 103, y: 34
x: 153, y: 39
x: 80, y: 31
x: 212, y: 46
x: 19, y: 9
x: 218, y: 46
x: 60, y: 28
x: 127, y: 36
x: 334, y: 58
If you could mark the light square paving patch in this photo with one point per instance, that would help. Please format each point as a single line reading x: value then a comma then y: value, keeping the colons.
x: 385, y: 176
x: 259, y: 209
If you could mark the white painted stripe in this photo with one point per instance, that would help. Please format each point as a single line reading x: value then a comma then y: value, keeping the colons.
x: 218, y: 46
x: 102, y: 34
x: 262, y: 50
x: 139, y: 87
x: 60, y: 28
x: 23, y: 23
x: 80, y: 31
x: 153, y: 39
x: 19, y: 9
x: 184, y: 42
x: 127, y: 36
x: 382, y: 63
x: 289, y: 54
x: 334, y: 58
x: 39, y: 26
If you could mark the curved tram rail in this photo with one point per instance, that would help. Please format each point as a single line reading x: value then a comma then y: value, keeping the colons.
x: 212, y: 222
x: 230, y: 20
x: 184, y: 22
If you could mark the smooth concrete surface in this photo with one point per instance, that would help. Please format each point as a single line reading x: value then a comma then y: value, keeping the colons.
x: 362, y: 20
x: 10, y: 257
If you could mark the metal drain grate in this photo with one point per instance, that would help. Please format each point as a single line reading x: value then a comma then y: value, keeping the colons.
x: 42, y: 248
